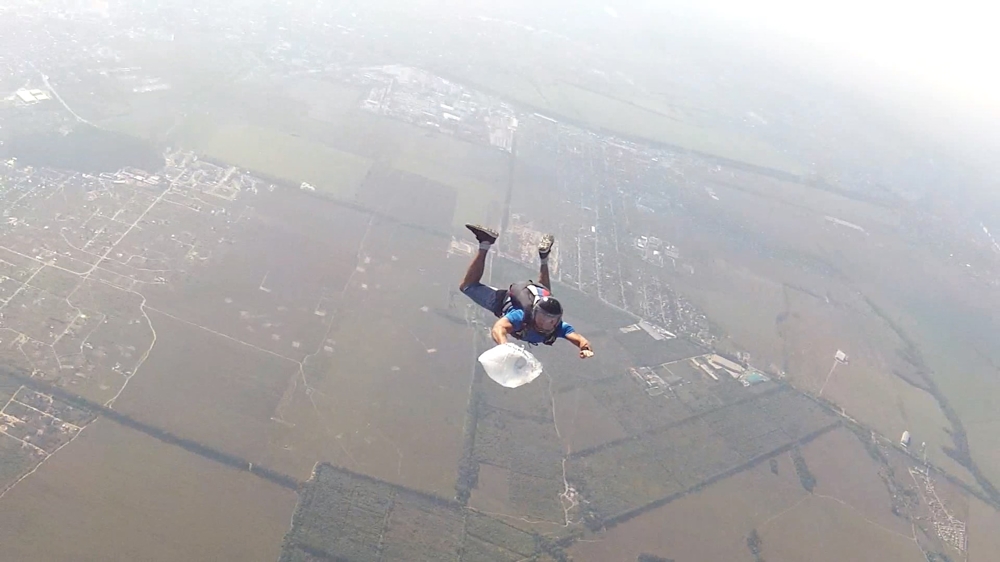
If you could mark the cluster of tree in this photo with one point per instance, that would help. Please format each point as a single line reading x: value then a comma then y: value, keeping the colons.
x: 802, y: 470
x: 550, y: 547
x: 468, y: 466
x: 593, y: 520
x: 298, y: 552
x: 85, y: 149
x: 652, y: 558
x: 754, y: 543
x: 871, y: 447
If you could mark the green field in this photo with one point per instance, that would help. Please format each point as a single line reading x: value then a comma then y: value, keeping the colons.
x: 629, y: 118
x: 644, y: 118
x: 279, y: 155
x: 474, y: 195
x: 478, y: 174
x: 326, y: 102
x: 15, y: 460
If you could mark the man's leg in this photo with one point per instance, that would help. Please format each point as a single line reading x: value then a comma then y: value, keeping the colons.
x: 544, y: 248
x: 472, y: 286
x: 474, y: 274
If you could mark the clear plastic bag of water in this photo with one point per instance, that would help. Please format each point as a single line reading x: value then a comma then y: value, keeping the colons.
x: 510, y: 365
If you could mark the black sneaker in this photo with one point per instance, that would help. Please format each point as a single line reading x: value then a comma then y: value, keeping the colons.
x: 545, y: 246
x: 482, y: 233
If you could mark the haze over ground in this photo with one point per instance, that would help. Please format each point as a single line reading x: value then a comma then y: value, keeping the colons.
x: 233, y: 233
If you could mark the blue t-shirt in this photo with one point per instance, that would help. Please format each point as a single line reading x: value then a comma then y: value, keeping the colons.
x: 516, y: 318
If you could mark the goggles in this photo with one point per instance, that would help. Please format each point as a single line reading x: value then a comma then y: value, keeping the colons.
x: 545, y: 322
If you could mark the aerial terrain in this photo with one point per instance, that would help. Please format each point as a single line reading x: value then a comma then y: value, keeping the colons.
x: 230, y: 324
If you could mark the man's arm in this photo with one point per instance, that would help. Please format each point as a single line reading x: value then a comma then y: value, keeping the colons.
x: 582, y: 343
x: 501, y: 328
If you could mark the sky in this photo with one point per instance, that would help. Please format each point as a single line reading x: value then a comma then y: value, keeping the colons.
x: 949, y: 46
x: 934, y: 59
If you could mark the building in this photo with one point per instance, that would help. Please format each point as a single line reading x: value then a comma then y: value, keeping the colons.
x: 841, y: 357
x: 905, y: 439
x: 722, y: 363
x: 32, y: 96
x: 704, y: 368
x: 650, y: 381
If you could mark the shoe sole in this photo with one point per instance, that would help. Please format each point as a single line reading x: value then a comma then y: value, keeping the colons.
x: 479, y: 230
x: 545, y: 246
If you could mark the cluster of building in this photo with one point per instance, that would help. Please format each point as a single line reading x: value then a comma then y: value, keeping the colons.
x: 32, y: 96
x: 949, y: 528
x: 651, y: 382
x: 26, y: 418
x: 427, y: 100
x: 658, y: 380
x: 134, y: 79
x: 226, y: 182
x: 520, y: 243
x: 656, y: 332
x: 652, y: 250
x: 715, y: 366
x: 602, y: 181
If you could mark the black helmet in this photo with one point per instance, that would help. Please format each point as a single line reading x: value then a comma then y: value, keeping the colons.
x: 550, y: 305
x: 546, y: 315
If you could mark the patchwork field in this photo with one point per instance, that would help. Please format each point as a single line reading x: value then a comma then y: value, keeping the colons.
x: 116, y: 494
x: 275, y: 154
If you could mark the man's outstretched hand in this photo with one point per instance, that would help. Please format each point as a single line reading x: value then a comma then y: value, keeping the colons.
x: 582, y: 343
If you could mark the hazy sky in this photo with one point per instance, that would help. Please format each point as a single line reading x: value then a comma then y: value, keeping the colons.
x: 951, y: 45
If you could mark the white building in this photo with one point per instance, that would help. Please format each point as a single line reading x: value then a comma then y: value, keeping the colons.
x: 841, y: 357
x: 32, y: 96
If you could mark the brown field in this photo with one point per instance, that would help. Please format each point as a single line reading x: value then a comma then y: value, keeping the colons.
x: 984, y: 532
x: 116, y: 494
x: 957, y: 345
x: 496, y: 494
x: 850, y: 500
x: 846, y: 473
x: 410, y: 198
x: 584, y: 422
x: 391, y: 397
x: 744, y: 303
x: 823, y: 530
x: 796, y: 301
x: 208, y: 388
x: 492, y: 491
x: 381, y: 392
x: 288, y: 260
x: 867, y: 388
x: 710, y: 525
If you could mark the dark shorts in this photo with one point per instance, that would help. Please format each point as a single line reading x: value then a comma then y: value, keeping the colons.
x: 490, y: 298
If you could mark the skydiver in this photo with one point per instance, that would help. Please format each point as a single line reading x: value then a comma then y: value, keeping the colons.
x: 526, y: 311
